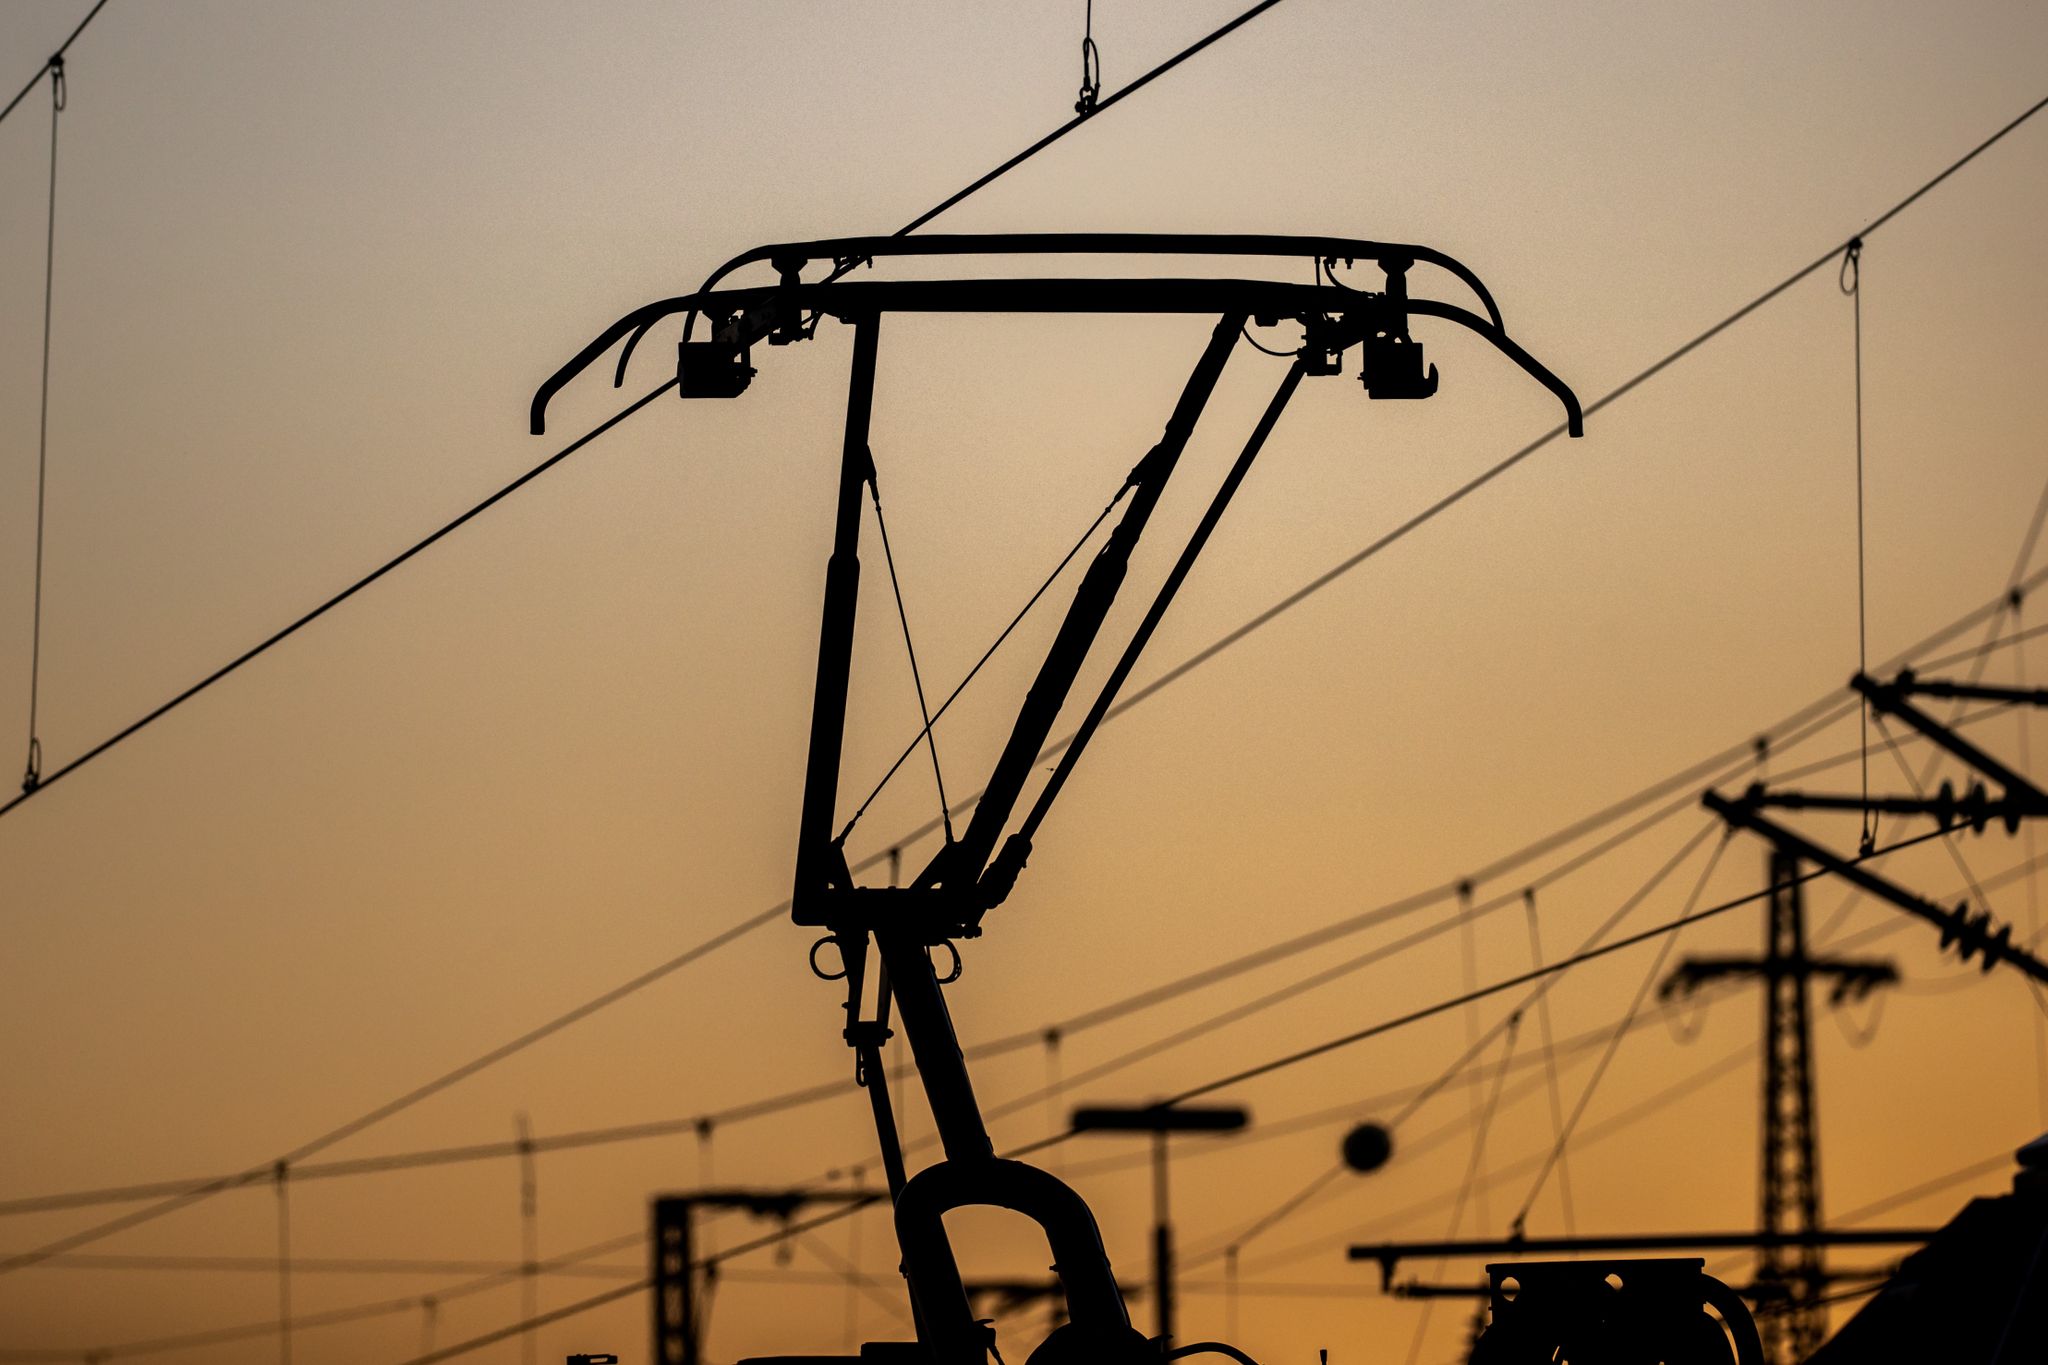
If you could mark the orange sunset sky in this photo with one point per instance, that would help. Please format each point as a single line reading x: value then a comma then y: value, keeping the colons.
x: 312, y: 260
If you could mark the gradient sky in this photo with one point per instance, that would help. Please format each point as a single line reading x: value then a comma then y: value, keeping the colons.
x: 313, y: 259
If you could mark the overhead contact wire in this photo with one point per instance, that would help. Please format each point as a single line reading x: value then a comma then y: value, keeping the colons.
x: 279, y: 636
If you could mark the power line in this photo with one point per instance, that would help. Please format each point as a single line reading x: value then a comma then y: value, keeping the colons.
x: 325, y: 1265
x: 1345, y: 1040
x: 352, y: 1313
x: 1263, y: 1069
x: 1591, y: 1136
x: 279, y: 636
x: 1350, y: 1111
x: 823, y: 1219
x: 1621, y: 1031
x: 1510, y: 1024
x: 55, y: 61
x: 386, y: 1110
x: 1468, y: 1186
x: 1627, y: 1118
x: 803, y: 1096
x: 365, y: 1165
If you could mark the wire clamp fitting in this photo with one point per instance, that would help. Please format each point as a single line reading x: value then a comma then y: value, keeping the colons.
x: 1852, y: 266
x: 1091, y: 67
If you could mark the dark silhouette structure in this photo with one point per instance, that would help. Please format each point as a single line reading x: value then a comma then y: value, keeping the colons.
x: 1388, y: 1255
x: 883, y: 937
x: 1789, y: 1261
x: 678, y: 1306
x: 1665, y: 1312
x: 1161, y: 1121
x: 1972, y: 935
x: 1976, y: 1294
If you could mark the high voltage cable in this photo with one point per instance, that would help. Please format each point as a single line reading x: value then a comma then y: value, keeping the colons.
x: 1642, y: 1109
x: 1593, y: 1135
x: 1351, y: 1111
x: 1250, y: 1073
x: 1469, y: 1185
x: 342, y: 1265
x: 1654, y: 1104
x: 286, y: 632
x: 352, y: 1313
x: 256, y: 1174
x: 1295, y: 1058
x: 1621, y: 1031
x: 55, y: 60
x: 776, y: 1104
x: 1510, y: 1023
x: 385, y: 1110
x: 376, y: 1165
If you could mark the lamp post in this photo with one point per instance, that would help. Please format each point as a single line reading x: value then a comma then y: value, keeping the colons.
x: 1160, y: 1120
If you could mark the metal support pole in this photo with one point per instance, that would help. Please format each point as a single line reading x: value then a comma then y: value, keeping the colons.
x: 1971, y: 935
x: 675, y: 1283
x: 1162, y: 1245
x: 820, y: 864
x: 1789, y: 1183
x: 529, y: 1240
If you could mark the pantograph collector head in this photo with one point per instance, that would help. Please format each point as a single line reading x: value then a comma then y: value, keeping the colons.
x: 881, y: 938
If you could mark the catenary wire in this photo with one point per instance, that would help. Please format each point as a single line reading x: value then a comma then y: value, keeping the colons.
x: 802, y: 1096
x: 1440, y: 1007
x: 1298, y: 1056
x: 1592, y: 1136
x: 1468, y: 1186
x: 1650, y: 1105
x: 386, y: 1110
x: 1480, y: 1040
x: 1621, y: 1031
x: 286, y: 632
